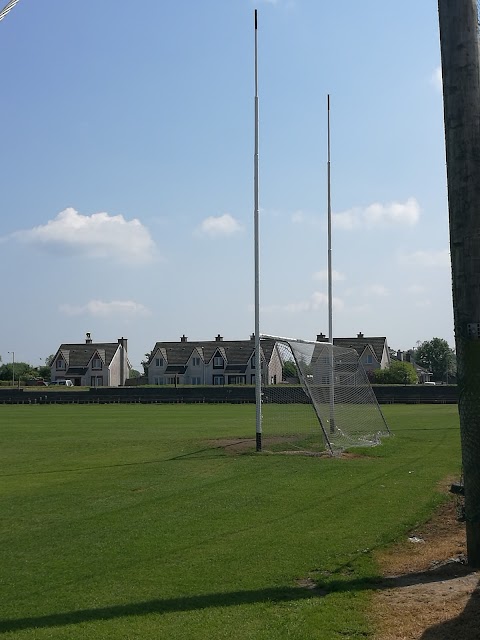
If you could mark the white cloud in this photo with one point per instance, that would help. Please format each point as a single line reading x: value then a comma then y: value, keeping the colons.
x: 423, y: 304
x: 378, y: 214
x: 376, y: 290
x: 415, y: 289
x: 101, y: 309
x: 298, y: 217
x: 323, y: 275
x: 224, y: 225
x: 428, y: 259
x: 99, y: 235
x: 368, y: 290
x: 316, y: 301
x: 436, y: 78
x: 302, y: 217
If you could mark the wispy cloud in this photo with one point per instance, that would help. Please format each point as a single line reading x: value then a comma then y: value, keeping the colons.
x: 316, y: 301
x: 415, y: 289
x: 436, y: 78
x: 225, y: 225
x: 102, y: 309
x: 430, y: 259
x: 100, y: 236
x: 378, y: 290
x: 323, y: 275
x: 368, y: 291
x: 302, y: 217
x: 378, y: 214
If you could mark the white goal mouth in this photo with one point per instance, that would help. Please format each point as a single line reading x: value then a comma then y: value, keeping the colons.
x: 324, y: 396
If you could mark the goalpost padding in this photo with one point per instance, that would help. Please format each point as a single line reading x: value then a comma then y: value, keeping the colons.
x: 331, y: 406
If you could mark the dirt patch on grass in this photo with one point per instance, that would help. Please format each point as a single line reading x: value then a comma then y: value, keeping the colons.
x: 273, y: 445
x: 428, y: 592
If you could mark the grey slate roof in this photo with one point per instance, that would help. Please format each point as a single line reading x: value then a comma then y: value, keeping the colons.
x: 359, y: 344
x: 235, y: 352
x: 79, y: 355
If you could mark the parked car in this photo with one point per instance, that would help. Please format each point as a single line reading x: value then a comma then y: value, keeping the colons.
x: 41, y: 383
x: 62, y: 383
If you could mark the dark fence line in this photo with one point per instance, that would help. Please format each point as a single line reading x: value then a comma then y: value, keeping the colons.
x: 385, y: 394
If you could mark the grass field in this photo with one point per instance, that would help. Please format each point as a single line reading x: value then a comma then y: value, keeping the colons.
x: 130, y: 521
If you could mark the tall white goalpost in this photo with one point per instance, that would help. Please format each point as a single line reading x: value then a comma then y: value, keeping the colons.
x: 258, y: 366
x: 332, y: 405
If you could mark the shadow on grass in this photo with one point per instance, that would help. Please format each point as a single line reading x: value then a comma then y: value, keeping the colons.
x: 237, y: 598
x: 188, y: 603
x: 213, y: 451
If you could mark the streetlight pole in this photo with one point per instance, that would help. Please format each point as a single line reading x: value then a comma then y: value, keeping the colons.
x: 13, y: 367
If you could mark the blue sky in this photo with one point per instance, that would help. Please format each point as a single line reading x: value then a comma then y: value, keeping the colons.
x: 126, y: 172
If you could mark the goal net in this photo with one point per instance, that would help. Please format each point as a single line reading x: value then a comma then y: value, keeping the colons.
x: 325, y: 401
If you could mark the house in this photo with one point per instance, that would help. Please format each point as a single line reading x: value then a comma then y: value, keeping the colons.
x: 214, y: 362
x: 92, y: 364
x: 423, y: 374
x: 373, y: 352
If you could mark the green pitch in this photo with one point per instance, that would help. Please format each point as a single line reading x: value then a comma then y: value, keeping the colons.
x: 133, y: 521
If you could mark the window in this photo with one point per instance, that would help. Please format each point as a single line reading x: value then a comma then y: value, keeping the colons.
x: 172, y: 380
x: 369, y: 360
x: 196, y: 380
x: 218, y: 379
x: 96, y: 363
x: 60, y: 364
x: 159, y: 362
x: 196, y: 362
x: 218, y: 362
x: 157, y: 380
x: 96, y: 381
x: 236, y: 380
x: 252, y: 362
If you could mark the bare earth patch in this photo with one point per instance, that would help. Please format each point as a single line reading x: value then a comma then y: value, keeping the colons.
x: 245, y: 445
x: 428, y: 592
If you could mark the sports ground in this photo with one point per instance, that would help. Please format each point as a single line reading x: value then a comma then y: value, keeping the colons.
x: 161, y: 521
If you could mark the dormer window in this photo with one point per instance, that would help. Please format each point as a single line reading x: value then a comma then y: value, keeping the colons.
x: 159, y: 362
x: 369, y: 359
x: 60, y: 364
x: 96, y: 363
x: 218, y: 362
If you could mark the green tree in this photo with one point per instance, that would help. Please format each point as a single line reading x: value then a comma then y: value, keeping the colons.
x: 22, y: 370
x: 134, y: 373
x: 44, y: 372
x: 436, y: 356
x: 397, y: 373
x: 289, y: 370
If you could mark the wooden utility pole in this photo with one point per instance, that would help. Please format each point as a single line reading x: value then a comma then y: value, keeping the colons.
x: 461, y: 98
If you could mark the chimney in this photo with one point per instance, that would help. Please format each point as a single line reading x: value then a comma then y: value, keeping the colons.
x: 252, y: 336
x: 321, y: 337
x: 360, y: 335
x: 88, y: 338
x: 183, y: 338
x: 123, y: 342
x: 400, y: 355
x: 219, y: 338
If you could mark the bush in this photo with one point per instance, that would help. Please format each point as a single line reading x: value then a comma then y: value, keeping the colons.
x: 396, y: 373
